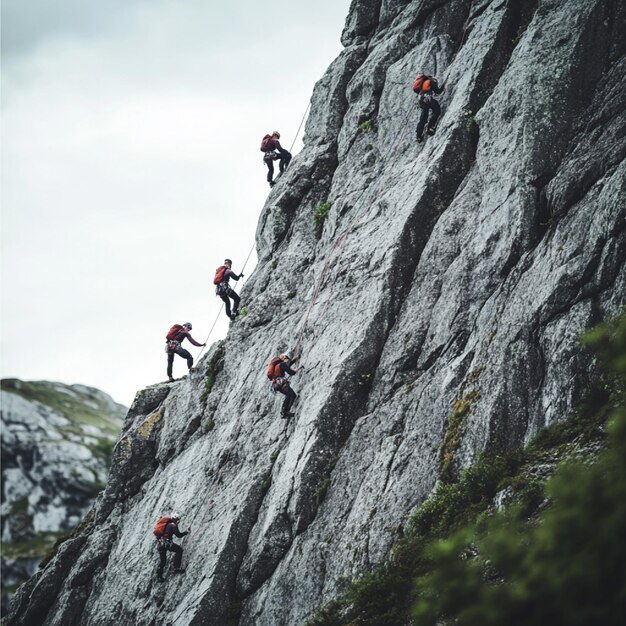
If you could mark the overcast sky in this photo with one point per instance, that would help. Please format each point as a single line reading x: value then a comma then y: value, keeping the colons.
x: 131, y: 168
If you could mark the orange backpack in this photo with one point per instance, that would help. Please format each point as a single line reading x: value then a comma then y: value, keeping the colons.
x: 273, y: 369
x: 161, y: 525
x: 219, y: 274
x: 418, y: 82
x: 265, y: 143
x: 171, y: 333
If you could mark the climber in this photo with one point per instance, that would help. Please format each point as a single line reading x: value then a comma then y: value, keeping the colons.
x: 165, y: 530
x: 277, y: 370
x: 222, y: 275
x: 425, y: 86
x: 273, y: 151
x: 174, y: 338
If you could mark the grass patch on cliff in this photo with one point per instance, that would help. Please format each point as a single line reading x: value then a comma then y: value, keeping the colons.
x: 553, y: 554
x: 319, y: 218
x: 456, y: 423
x: 320, y: 494
x: 216, y: 364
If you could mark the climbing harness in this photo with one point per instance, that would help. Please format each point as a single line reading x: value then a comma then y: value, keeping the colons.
x: 171, y: 345
x: 278, y: 384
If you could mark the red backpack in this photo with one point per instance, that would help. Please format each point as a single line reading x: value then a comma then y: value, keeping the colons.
x: 219, y: 274
x: 161, y: 525
x: 419, y: 82
x: 172, y: 334
x: 265, y: 142
x: 273, y: 369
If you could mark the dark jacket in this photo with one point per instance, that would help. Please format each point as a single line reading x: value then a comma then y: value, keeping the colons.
x: 183, y: 334
x: 228, y: 274
x: 171, y: 530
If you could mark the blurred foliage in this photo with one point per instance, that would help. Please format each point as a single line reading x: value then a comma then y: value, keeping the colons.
x: 555, y: 554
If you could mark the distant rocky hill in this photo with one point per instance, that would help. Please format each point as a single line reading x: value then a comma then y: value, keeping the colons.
x: 56, y: 449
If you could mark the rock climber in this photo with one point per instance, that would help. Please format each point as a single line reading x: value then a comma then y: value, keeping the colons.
x: 277, y: 371
x: 174, y: 338
x: 222, y: 275
x: 425, y: 86
x: 165, y: 530
x: 270, y: 145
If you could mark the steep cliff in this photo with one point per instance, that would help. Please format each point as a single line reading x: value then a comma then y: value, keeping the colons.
x: 457, y: 271
x: 57, y: 442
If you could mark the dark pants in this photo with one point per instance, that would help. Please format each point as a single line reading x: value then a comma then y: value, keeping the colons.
x: 178, y: 557
x: 283, y: 162
x: 180, y: 352
x: 426, y: 107
x: 225, y: 294
x: 290, y: 397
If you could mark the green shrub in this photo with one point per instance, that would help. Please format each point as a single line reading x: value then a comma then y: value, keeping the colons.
x: 470, y: 122
x: 368, y: 147
x: 319, y: 217
x: 291, y: 294
x: 460, y: 562
x: 209, y: 425
x: 454, y: 431
x: 321, y: 492
x: 266, y: 484
x: 367, y: 126
x: 215, y: 367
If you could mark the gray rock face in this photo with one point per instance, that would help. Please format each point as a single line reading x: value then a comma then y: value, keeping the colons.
x: 56, y: 446
x: 460, y: 271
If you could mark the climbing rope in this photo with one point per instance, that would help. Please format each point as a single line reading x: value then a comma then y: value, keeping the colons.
x: 467, y: 20
x: 206, y: 341
x: 340, y: 240
x: 342, y: 237
x: 299, y: 127
x: 337, y: 244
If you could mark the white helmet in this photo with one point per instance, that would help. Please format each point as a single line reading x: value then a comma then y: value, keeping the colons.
x: 175, y: 516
